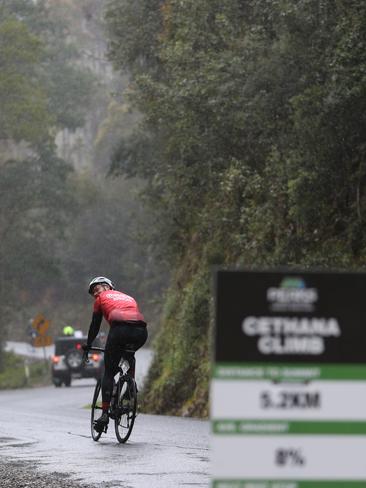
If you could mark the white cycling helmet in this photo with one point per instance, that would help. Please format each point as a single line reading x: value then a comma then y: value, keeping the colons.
x: 100, y: 280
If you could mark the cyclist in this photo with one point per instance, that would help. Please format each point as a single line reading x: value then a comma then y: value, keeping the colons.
x: 127, y: 326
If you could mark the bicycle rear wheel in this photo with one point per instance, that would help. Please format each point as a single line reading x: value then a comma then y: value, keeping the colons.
x: 96, y: 409
x: 126, y: 408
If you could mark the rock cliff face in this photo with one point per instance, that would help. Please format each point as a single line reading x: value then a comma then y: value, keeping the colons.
x: 10, y: 150
x: 84, y: 30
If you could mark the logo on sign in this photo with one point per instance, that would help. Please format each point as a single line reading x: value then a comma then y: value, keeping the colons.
x: 292, y: 295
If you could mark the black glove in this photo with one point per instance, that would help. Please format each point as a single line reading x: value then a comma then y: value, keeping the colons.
x: 85, y: 347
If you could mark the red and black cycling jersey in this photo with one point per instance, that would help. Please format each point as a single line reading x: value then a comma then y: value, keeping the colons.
x: 117, y: 306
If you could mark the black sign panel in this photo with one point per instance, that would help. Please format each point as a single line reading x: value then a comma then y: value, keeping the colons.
x: 288, y: 316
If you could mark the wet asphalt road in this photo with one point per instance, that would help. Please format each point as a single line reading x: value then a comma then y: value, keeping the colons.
x: 51, y: 428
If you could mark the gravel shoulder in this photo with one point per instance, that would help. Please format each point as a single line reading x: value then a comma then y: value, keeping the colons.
x: 22, y: 474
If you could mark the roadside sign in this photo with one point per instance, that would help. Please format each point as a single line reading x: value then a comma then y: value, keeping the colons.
x: 42, y: 341
x: 288, y: 389
x: 40, y: 324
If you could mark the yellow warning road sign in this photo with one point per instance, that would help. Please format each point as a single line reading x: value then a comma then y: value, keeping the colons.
x: 40, y: 324
x: 42, y: 341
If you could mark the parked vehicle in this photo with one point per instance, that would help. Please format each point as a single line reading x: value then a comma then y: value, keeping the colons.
x: 67, y: 362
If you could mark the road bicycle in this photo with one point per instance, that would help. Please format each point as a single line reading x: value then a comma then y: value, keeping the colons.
x: 123, y: 404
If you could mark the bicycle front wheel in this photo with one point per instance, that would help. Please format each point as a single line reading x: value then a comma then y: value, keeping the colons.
x: 96, y: 409
x: 126, y: 408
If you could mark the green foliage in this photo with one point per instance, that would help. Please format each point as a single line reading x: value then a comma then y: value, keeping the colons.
x: 252, y: 143
x: 100, y: 229
x: 138, y: 23
x: 179, y: 368
x: 24, y: 114
x: 43, y: 88
x: 70, y: 91
x: 39, y: 87
x: 36, y: 203
x: 46, y: 211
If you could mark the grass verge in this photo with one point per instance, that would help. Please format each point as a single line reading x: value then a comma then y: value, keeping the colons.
x: 19, y: 372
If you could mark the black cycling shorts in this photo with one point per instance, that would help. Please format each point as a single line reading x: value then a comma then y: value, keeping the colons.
x: 122, y: 335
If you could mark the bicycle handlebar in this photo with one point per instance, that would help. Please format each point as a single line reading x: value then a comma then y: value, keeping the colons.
x: 96, y: 349
x: 85, y: 358
x: 101, y: 349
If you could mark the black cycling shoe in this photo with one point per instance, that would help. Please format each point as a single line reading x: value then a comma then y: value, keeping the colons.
x: 100, y: 424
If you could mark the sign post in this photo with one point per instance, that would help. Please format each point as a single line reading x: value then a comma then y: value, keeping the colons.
x: 288, y: 390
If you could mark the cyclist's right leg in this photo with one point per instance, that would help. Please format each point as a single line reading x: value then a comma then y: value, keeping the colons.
x: 132, y: 337
x: 127, y: 335
x: 112, y: 356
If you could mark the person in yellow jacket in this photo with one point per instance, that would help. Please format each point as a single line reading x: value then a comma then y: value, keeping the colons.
x: 68, y: 330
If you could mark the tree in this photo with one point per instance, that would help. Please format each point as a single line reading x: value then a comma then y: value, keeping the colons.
x: 24, y: 114
x: 35, y: 198
x: 39, y: 87
x: 252, y: 141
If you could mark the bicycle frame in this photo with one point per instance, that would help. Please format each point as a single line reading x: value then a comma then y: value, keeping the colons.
x: 124, y: 390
